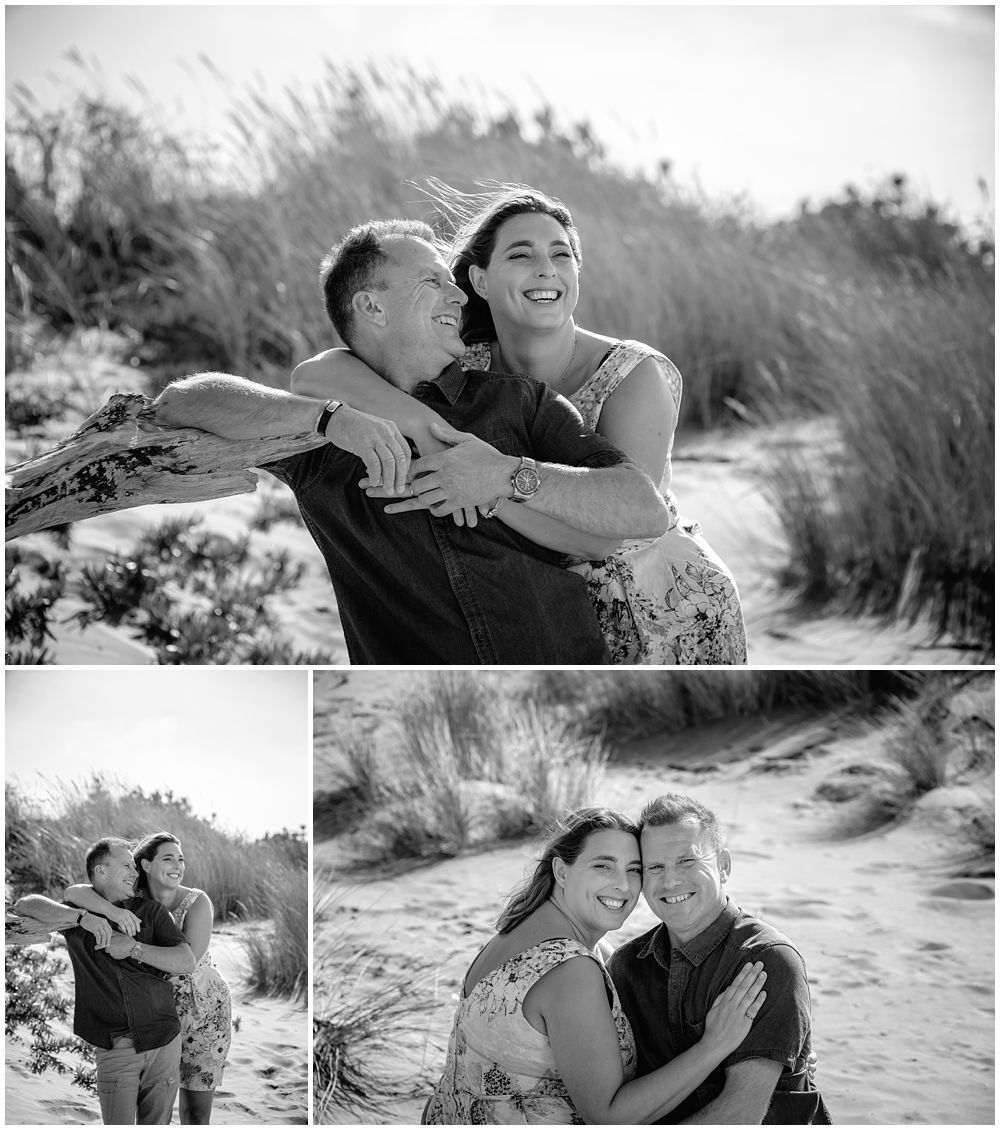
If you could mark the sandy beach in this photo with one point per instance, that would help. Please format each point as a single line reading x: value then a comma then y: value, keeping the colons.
x: 265, y: 1081
x: 900, y: 952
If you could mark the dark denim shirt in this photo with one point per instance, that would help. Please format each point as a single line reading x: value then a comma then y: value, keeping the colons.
x: 125, y: 998
x: 666, y: 992
x: 412, y: 588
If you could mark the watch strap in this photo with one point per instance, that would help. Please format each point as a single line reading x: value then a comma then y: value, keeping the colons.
x: 323, y: 419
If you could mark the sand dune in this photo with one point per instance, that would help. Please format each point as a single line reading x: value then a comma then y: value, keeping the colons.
x: 900, y: 953
x: 265, y: 1080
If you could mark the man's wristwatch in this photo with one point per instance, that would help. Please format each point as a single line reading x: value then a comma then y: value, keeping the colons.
x: 525, y: 480
x: 136, y: 952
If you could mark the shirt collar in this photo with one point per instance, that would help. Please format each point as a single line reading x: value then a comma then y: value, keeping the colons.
x: 700, y: 946
x: 450, y: 384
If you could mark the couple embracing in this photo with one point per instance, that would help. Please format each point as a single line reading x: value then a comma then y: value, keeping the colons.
x: 148, y: 998
x: 494, y: 485
x: 705, y: 1018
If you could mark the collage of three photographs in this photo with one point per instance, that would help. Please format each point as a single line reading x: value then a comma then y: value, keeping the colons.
x: 500, y: 588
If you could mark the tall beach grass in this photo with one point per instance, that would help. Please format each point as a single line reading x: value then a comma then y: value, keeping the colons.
x: 471, y: 763
x: 872, y: 309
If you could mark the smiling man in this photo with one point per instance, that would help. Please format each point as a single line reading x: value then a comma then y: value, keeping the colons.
x: 669, y: 977
x: 417, y: 587
x: 124, y: 1002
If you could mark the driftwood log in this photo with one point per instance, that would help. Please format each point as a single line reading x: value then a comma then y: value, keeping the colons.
x: 120, y: 458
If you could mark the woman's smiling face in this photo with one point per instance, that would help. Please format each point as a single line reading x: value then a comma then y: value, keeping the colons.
x: 166, y: 868
x: 601, y: 887
x: 533, y: 278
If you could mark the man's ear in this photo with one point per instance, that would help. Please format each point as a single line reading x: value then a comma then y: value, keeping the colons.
x: 725, y: 864
x: 477, y: 276
x: 367, y: 307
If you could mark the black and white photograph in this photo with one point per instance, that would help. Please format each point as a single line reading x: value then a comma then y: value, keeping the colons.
x: 500, y: 335
x: 719, y: 896
x: 156, y: 896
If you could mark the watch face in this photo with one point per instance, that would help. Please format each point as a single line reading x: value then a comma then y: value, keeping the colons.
x: 526, y: 480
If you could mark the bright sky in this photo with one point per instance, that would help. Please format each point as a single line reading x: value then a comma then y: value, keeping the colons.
x: 779, y: 102
x: 234, y: 742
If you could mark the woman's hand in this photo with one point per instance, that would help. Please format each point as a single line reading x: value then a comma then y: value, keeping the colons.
x: 125, y: 920
x: 379, y: 443
x: 730, y: 1017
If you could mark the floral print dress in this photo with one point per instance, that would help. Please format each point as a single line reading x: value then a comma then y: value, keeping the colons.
x: 667, y: 600
x: 500, y: 1069
x: 204, y: 1008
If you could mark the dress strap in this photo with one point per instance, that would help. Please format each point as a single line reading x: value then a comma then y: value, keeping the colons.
x: 179, y: 913
x: 624, y: 357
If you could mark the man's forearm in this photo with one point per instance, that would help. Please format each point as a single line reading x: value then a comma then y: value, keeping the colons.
x: 51, y: 914
x: 169, y: 959
x: 235, y: 408
x: 611, y: 502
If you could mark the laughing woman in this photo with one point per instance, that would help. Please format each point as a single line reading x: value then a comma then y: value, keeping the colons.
x: 539, y: 1034
x: 517, y: 256
x: 202, y: 998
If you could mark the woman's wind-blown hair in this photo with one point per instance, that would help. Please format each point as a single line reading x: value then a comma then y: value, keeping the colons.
x: 473, y: 220
x: 565, y: 842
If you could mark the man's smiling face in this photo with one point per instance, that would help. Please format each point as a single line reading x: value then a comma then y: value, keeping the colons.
x: 683, y: 875
x: 423, y: 306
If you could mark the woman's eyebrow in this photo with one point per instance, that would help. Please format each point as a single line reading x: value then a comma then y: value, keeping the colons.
x: 531, y: 243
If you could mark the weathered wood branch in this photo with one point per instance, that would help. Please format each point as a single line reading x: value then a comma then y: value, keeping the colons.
x: 120, y: 458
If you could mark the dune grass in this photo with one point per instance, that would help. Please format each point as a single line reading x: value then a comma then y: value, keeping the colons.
x: 636, y: 704
x: 470, y: 763
x: 872, y: 309
x: 245, y: 879
x: 932, y: 742
x: 371, y: 1043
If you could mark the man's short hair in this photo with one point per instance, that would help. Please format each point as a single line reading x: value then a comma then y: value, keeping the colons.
x: 98, y: 852
x: 675, y: 808
x: 358, y: 263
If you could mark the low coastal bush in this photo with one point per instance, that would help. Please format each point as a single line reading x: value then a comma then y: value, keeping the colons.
x: 190, y: 595
x: 33, y: 1005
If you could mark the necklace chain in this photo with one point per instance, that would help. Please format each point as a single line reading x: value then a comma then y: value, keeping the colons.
x: 566, y: 368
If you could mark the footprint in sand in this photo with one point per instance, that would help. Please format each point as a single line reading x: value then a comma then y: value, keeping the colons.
x: 933, y: 947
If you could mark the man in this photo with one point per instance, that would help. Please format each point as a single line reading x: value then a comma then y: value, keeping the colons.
x: 668, y: 978
x: 124, y: 1002
x: 414, y: 586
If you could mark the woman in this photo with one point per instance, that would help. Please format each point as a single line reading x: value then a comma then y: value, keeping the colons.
x: 539, y: 1034
x: 202, y: 998
x: 667, y: 600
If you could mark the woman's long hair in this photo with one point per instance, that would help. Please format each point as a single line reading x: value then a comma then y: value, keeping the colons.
x: 146, y: 849
x: 475, y: 218
x: 565, y: 842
